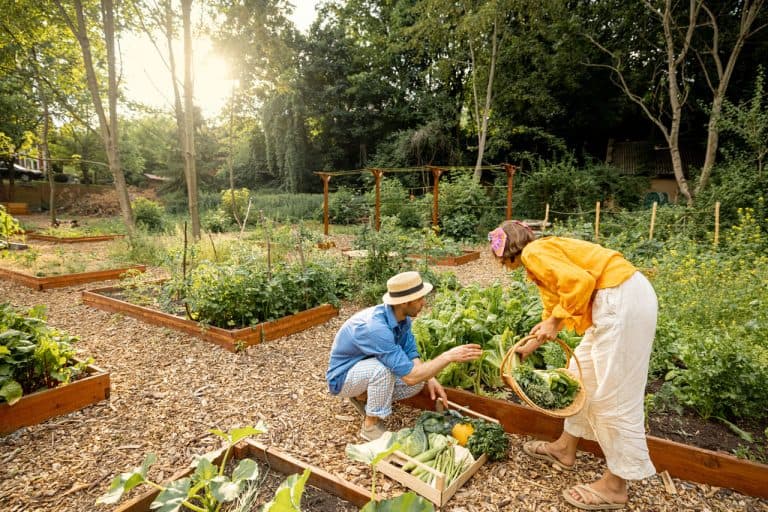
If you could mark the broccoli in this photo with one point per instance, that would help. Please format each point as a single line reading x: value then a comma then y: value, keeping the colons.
x: 550, y: 389
x: 488, y: 437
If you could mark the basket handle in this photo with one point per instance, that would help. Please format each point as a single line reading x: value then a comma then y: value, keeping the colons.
x: 511, y: 353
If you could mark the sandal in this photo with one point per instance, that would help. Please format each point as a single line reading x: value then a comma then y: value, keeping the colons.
x: 585, y: 492
x: 532, y: 448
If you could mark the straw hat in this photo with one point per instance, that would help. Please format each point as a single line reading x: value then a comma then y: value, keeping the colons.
x: 405, y: 287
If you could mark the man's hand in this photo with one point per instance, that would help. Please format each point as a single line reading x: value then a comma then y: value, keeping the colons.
x: 436, y: 391
x: 464, y: 353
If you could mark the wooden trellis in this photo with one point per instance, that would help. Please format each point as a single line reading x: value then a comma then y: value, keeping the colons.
x: 436, y: 171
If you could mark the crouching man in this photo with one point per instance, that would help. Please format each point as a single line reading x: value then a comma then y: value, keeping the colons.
x: 374, y: 360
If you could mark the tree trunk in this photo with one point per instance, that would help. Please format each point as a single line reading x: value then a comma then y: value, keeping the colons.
x: 107, y: 126
x: 487, y: 109
x: 676, y: 98
x: 47, y: 159
x: 189, y: 118
x: 749, y: 12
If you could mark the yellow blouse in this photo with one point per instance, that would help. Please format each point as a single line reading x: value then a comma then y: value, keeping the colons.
x: 568, y: 272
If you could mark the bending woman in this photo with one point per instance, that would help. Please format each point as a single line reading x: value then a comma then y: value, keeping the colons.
x: 599, y: 294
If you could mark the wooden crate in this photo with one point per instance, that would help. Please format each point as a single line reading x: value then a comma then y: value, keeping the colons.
x: 682, y: 461
x: 392, y: 466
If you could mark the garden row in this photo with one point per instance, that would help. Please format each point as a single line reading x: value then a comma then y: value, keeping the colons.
x: 240, y: 288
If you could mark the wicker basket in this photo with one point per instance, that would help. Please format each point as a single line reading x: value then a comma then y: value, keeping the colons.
x: 512, y: 359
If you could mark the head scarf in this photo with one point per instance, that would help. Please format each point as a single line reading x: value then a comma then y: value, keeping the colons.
x: 498, y: 239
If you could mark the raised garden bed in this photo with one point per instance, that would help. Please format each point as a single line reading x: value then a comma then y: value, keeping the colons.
x: 680, y: 460
x: 467, y: 256
x: 60, y: 281
x: 16, y: 208
x: 278, y: 461
x: 49, y: 403
x: 31, y: 235
x: 231, y: 339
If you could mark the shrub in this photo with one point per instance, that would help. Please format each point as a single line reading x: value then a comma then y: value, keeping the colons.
x: 216, y: 221
x: 148, y: 214
x: 345, y: 207
x: 241, y: 197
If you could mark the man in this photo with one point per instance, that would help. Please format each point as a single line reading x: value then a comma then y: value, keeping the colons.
x: 374, y: 360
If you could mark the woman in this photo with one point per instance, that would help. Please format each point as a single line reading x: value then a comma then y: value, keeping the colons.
x: 599, y: 294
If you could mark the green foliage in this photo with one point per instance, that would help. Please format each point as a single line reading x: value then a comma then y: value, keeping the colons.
x: 216, y: 221
x: 494, y: 317
x: 243, y: 292
x: 345, y: 207
x: 208, y: 487
x: 148, y: 214
x: 33, y: 356
x: 749, y: 121
x: 489, y: 438
x: 9, y: 226
x: 395, y: 201
x: 571, y: 190
x: 240, y: 198
x: 711, y: 351
x: 550, y: 389
x: 288, y: 207
x: 462, y: 201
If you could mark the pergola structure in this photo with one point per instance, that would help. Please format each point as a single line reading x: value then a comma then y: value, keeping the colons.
x: 436, y: 171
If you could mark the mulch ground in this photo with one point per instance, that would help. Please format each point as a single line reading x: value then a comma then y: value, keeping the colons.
x: 169, y: 389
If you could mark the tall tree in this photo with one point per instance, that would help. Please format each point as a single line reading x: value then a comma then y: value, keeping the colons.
x: 190, y: 170
x: 108, y: 119
x: 718, y: 76
x: 676, y: 36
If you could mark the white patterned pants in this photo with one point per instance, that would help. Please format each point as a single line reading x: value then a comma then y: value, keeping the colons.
x: 614, y: 355
x: 382, y: 386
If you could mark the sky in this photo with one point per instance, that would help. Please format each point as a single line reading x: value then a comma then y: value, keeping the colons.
x: 147, y: 80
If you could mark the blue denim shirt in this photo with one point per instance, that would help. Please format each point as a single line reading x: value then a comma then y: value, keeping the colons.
x: 372, y: 332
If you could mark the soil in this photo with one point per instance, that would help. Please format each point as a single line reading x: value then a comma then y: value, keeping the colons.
x: 169, y: 389
x: 313, y: 499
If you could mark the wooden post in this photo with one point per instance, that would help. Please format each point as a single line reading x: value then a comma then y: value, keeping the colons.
x: 597, y: 221
x: 510, y: 186
x: 653, y: 219
x: 326, y: 178
x: 546, y: 217
x: 377, y: 173
x: 717, y: 223
x: 436, y: 172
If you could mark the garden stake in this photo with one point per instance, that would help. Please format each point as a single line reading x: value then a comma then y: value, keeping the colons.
x: 184, y: 271
x: 717, y: 223
x: 213, y: 246
x: 597, y: 221
x: 653, y: 220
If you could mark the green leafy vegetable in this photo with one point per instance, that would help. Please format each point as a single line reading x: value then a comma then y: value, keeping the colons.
x: 489, y: 438
x: 550, y: 389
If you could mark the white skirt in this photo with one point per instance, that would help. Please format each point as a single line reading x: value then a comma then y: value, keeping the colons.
x: 614, y: 355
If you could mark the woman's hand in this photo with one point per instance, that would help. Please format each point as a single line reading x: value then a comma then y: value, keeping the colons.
x: 436, y: 391
x: 544, y: 331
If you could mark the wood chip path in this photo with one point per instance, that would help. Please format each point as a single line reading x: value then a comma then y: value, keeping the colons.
x: 170, y: 389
